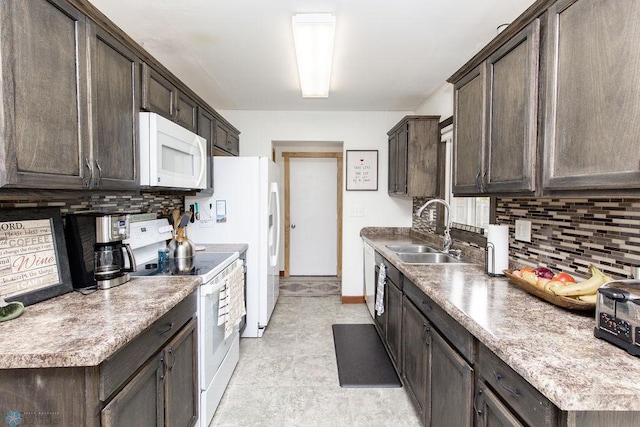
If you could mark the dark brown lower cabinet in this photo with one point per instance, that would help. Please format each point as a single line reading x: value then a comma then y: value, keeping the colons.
x: 181, y: 380
x: 523, y: 400
x: 141, y: 402
x: 455, y: 380
x: 438, y: 379
x: 415, y: 354
x: 152, y: 381
x: 389, y: 324
x: 491, y: 412
x: 394, y: 323
x: 451, y: 385
x: 164, y: 392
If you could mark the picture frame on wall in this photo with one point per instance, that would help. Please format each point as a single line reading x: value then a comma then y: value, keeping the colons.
x: 362, y: 170
x: 34, y: 265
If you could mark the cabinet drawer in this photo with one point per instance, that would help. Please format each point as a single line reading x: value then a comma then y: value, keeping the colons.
x: 529, y: 404
x: 119, y: 367
x: 454, y: 332
x: 391, y: 271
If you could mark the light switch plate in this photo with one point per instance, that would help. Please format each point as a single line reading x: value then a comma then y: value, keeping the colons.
x: 357, y: 211
x: 523, y: 230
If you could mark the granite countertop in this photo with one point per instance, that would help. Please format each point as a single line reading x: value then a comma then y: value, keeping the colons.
x: 552, y: 348
x: 84, y: 330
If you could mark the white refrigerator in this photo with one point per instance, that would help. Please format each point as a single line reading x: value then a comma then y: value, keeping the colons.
x: 245, y: 208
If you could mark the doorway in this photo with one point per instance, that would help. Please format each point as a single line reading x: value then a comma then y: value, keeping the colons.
x: 313, y: 195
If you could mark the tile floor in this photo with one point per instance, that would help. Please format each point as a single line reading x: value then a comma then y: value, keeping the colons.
x: 289, y: 376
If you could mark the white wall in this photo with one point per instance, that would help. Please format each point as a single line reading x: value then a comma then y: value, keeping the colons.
x: 356, y: 130
x: 440, y: 102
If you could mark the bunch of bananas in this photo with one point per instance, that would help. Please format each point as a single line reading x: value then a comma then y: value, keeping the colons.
x: 586, y: 290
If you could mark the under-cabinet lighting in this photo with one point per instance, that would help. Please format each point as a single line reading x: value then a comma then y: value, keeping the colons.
x: 313, y: 38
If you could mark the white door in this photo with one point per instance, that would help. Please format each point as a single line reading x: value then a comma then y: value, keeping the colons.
x: 313, y: 213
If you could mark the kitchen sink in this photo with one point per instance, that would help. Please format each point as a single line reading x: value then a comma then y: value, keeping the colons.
x: 412, y: 248
x: 430, y: 258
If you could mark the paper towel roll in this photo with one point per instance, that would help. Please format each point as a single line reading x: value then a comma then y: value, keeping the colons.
x: 497, y: 249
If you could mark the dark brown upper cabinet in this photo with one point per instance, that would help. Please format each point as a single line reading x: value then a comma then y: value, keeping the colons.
x: 413, y: 157
x: 227, y: 140
x: 114, y: 107
x: 592, y: 96
x: 73, y: 120
x: 575, y: 64
x: 72, y: 84
x: 45, y: 134
x: 468, y: 148
x: 207, y: 129
x: 161, y: 96
x: 495, y: 120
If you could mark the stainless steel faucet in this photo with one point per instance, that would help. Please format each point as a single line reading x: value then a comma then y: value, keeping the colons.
x: 447, y: 225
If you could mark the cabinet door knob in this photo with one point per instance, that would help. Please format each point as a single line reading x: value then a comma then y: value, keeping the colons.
x: 293, y: 226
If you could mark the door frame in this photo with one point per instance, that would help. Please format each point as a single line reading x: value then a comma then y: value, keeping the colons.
x: 287, y: 202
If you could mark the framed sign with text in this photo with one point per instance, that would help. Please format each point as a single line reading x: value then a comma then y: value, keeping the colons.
x: 362, y: 170
x: 33, y: 255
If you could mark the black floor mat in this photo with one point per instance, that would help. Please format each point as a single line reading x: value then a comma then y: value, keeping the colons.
x: 362, y: 360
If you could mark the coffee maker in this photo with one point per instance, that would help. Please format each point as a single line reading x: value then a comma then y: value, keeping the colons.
x: 97, y: 254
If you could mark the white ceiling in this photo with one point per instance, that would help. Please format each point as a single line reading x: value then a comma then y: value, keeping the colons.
x: 239, y: 54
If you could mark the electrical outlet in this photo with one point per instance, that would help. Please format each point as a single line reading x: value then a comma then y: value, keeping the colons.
x: 523, y: 230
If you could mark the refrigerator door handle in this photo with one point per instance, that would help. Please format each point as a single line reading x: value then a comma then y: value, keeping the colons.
x: 276, y: 192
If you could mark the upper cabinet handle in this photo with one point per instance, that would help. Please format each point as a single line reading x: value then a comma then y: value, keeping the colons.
x: 97, y: 162
x: 483, y: 182
x: 87, y: 182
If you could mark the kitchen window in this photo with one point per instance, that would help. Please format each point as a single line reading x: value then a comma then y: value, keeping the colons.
x: 468, y: 213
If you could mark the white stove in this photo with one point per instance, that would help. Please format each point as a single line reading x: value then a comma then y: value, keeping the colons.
x: 148, y: 236
x: 221, y: 305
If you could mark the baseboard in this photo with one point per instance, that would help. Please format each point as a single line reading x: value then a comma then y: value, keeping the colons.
x: 353, y: 300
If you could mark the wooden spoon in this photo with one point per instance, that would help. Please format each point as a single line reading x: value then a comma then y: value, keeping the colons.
x: 176, y: 219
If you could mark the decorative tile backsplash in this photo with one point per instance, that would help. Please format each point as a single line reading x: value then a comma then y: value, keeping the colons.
x: 569, y: 233
x: 108, y: 203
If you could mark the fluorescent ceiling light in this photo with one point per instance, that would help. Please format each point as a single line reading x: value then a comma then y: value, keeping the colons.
x: 313, y: 38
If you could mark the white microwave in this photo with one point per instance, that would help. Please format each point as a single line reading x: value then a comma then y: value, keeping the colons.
x: 170, y: 155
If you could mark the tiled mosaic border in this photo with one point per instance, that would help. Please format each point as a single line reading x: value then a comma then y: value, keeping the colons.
x: 568, y: 234
x: 108, y: 203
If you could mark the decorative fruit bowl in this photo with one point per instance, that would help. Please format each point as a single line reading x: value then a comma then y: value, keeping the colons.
x: 560, y: 301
